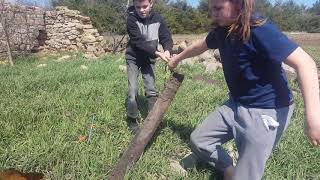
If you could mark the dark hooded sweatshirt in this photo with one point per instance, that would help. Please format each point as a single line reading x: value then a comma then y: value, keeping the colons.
x: 145, y: 34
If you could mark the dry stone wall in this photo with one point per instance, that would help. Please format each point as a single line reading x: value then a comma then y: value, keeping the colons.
x: 23, y: 25
x: 62, y: 29
x: 67, y: 30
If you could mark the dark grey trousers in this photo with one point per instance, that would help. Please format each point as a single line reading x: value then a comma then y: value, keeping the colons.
x: 133, y: 71
x: 256, y: 133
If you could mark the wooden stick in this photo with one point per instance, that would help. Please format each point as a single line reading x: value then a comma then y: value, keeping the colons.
x: 150, y: 125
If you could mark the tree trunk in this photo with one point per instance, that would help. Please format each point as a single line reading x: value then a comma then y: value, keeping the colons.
x: 148, y: 128
x: 4, y: 25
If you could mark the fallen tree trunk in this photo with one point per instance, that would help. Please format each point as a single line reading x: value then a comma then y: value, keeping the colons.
x: 150, y: 125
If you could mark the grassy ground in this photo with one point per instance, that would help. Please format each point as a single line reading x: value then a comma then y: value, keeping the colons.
x: 45, y: 110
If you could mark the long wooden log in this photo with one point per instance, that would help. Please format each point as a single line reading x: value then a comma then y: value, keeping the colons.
x: 149, y: 126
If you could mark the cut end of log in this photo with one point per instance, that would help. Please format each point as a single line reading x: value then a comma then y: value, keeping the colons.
x: 178, y: 76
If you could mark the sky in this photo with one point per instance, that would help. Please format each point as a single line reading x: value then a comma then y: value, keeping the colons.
x: 308, y: 3
x: 40, y: 3
x: 193, y: 3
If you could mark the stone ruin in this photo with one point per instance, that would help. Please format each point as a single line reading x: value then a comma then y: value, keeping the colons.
x: 33, y: 29
x: 209, y: 59
x: 24, y: 25
x: 67, y: 30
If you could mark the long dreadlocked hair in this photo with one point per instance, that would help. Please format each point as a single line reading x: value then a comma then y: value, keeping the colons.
x: 244, y: 21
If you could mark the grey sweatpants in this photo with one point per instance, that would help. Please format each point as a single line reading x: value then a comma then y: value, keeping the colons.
x: 256, y: 133
x: 151, y: 93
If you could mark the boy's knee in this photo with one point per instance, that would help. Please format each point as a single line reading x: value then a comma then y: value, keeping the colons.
x: 133, y: 93
x: 130, y: 99
x: 195, y: 139
x: 260, y: 144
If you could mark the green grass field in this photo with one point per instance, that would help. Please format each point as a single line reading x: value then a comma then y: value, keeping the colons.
x: 44, y: 111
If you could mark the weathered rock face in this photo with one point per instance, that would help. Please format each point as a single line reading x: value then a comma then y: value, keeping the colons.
x: 67, y: 30
x: 33, y: 29
x: 210, y: 59
x: 23, y: 24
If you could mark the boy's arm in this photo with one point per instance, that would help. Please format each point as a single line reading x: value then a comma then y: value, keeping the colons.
x: 195, y: 49
x: 137, y: 40
x: 309, y: 84
x: 165, y: 38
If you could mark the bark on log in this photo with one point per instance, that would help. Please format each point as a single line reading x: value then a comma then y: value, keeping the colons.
x: 150, y: 125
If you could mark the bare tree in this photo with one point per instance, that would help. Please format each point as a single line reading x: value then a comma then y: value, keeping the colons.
x: 91, y: 2
x: 117, y: 43
x: 4, y: 26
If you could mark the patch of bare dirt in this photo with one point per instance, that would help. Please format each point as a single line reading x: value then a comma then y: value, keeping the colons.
x: 205, y: 80
x: 305, y: 39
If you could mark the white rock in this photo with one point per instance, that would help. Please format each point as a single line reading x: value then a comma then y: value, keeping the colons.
x: 123, y: 68
x: 175, y: 165
x: 288, y: 68
x: 63, y: 58
x: 84, y: 67
x: 190, y: 61
x: 88, y: 39
x: 42, y: 65
x: 212, y: 66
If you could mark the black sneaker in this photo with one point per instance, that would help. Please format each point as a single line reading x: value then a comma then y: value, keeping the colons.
x: 131, y: 120
x: 189, y: 161
x: 133, y: 125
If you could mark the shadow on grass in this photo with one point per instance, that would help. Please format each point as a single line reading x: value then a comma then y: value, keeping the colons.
x: 182, y: 130
x: 214, y: 173
x: 142, y: 106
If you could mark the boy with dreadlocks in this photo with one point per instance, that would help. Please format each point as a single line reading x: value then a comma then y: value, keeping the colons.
x: 260, y: 106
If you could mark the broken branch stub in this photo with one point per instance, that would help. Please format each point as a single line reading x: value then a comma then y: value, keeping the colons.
x: 149, y: 126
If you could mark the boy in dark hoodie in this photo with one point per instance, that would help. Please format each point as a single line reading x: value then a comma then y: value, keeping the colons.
x: 146, y: 29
